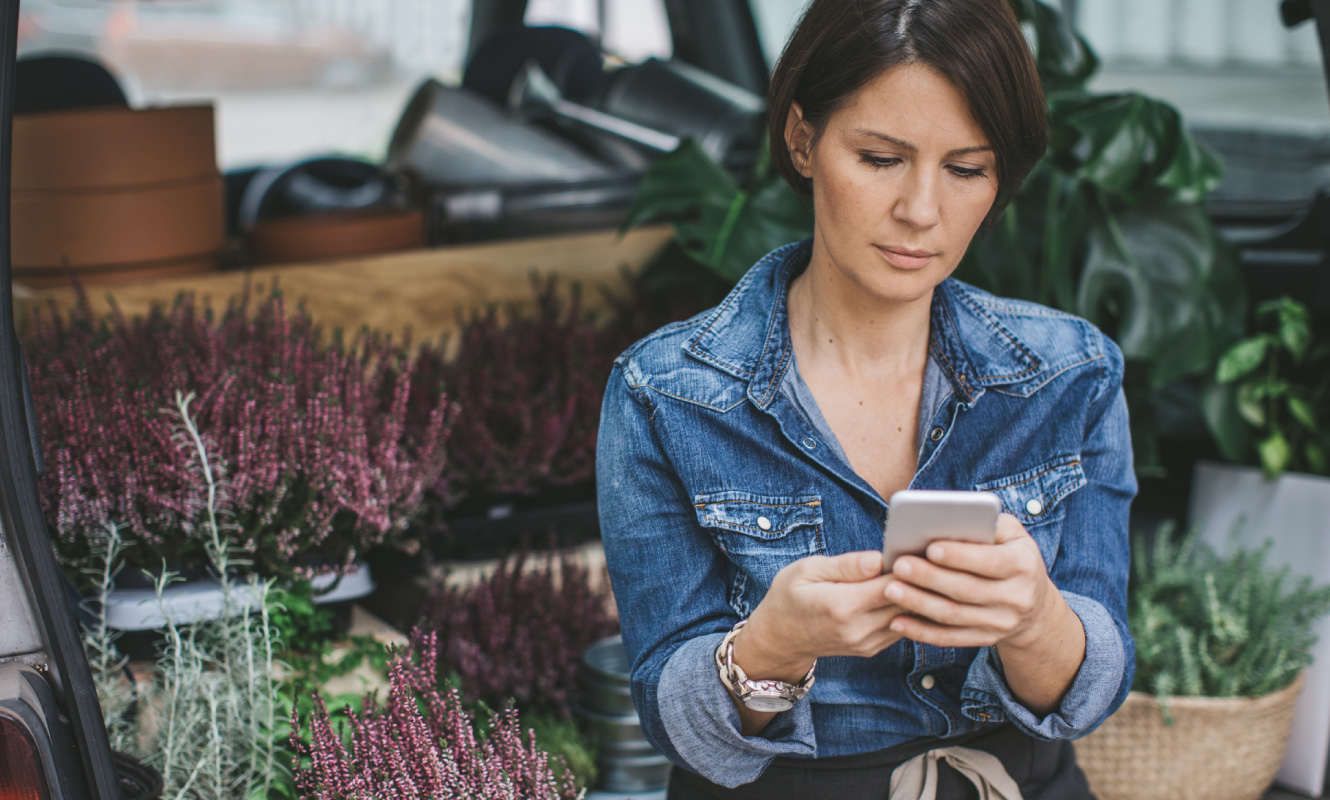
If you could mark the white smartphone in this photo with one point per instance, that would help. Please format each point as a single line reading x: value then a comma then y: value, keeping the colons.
x: 917, y: 518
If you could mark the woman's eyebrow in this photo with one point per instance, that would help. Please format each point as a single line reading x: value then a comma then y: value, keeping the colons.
x: 910, y: 148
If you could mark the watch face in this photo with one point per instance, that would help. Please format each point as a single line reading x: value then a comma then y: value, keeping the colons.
x: 768, y: 703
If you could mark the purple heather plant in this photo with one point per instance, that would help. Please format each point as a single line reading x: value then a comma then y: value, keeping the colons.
x: 317, y: 456
x: 421, y: 745
x: 529, y: 383
x: 519, y: 634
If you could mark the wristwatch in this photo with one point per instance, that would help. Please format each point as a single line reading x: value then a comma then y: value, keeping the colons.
x: 769, y: 696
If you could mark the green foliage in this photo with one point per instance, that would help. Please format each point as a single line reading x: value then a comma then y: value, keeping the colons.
x: 306, y: 629
x: 564, y: 739
x: 300, y: 623
x: 1273, y: 388
x: 720, y: 224
x: 1109, y: 226
x: 1207, y: 625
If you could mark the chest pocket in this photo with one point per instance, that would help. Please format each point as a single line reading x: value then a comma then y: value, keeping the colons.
x: 1036, y: 498
x: 760, y: 535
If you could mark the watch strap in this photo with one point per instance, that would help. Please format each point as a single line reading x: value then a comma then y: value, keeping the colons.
x: 741, y: 686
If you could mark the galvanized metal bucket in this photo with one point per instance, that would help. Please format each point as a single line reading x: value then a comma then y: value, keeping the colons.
x: 627, y: 761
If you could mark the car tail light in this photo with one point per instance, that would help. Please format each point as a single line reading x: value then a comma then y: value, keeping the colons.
x: 20, y: 771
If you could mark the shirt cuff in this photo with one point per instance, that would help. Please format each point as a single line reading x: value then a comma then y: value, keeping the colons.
x: 986, y: 697
x: 704, y: 726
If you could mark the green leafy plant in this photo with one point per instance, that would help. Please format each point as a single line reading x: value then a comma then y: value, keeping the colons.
x: 312, y: 652
x: 719, y: 222
x: 1109, y: 226
x: 1207, y: 625
x: 1270, y: 401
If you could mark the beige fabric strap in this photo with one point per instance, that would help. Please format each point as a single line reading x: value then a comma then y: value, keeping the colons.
x: 916, y: 779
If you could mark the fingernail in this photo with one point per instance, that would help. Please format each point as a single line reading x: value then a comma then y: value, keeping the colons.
x: 935, y: 552
x: 897, y: 626
x: 870, y: 562
x: 894, y: 591
x: 903, y: 568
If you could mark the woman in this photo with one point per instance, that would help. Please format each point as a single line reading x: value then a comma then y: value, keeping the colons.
x: 746, y: 455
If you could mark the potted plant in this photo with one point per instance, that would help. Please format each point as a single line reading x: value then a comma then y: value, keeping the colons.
x: 314, y: 456
x: 1221, y: 644
x: 203, y: 714
x: 420, y: 744
x: 1268, y: 412
x: 528, y: 383
x: 515, y: 636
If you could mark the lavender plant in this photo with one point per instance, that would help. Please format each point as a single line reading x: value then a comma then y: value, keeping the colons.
x: 518, y: 635
x: 311, y: 441
x: 206, y: 714
x: 421, y: 745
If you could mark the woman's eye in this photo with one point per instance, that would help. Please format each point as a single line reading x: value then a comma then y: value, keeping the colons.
x: 967, y: 172
x: 878, y: 161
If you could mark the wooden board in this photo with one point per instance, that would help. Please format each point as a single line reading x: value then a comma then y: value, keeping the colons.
x: 419, y: 290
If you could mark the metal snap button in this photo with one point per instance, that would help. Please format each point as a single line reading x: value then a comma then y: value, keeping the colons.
x: 1034, y: 507
x: 936, y: 433
x: 927, y: 682
x: 764, y: 523
x: 810, y: 442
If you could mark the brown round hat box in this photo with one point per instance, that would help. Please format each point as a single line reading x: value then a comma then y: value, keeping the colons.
x: 336, y: 234
x: 115, y: 194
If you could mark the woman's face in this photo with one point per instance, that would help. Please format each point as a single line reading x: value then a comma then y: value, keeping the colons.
x: 902, y: 178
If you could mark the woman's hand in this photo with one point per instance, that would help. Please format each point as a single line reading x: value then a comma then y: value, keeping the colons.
x: 819, y: 606
x: 816, y: 606
x: 977, y: 595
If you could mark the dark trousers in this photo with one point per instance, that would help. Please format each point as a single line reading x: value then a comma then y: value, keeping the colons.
x: 1043, y: 770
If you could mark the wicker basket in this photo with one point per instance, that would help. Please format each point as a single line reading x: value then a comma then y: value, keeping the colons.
x: 1216, y: 749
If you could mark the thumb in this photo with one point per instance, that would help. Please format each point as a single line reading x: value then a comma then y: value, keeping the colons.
x: 847, y: 567
x: 1008, y: 529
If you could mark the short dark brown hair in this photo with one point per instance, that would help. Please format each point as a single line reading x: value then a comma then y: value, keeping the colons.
x: 840, y: 46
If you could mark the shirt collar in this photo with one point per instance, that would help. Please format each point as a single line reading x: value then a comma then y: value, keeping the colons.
x: 748, y: 334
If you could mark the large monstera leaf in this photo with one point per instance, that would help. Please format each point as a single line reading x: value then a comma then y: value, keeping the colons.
x: 1064, y: 59
x: 1130, y: 145
x: 1157, y: 279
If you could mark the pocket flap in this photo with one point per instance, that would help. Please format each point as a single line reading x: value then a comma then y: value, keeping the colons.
x: 1035, y: 496
x: 762, y: 517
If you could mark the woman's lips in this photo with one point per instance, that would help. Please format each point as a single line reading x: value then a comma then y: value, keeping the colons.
x: 904, y: 258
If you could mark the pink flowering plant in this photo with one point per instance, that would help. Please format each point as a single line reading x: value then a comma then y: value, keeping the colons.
x: 529, y: 382
x: 518, y: 635
x: 422, y: 744
x: 317, y: 455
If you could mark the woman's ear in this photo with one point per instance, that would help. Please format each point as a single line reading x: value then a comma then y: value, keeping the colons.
x: 799, y: 140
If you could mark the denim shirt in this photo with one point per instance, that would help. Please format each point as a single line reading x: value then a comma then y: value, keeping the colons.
x: 711, y: 478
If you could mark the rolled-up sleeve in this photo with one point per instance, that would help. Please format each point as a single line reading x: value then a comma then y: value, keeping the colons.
x: 1091, y: 572
x: 669, y: 582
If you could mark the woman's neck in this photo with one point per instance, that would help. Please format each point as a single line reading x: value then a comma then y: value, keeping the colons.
x: 833, y: 321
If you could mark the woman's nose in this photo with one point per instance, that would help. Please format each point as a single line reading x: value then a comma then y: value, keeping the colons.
x: 917, y: 204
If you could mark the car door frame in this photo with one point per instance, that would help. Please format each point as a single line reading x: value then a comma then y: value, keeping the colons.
x: 22, y: 522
